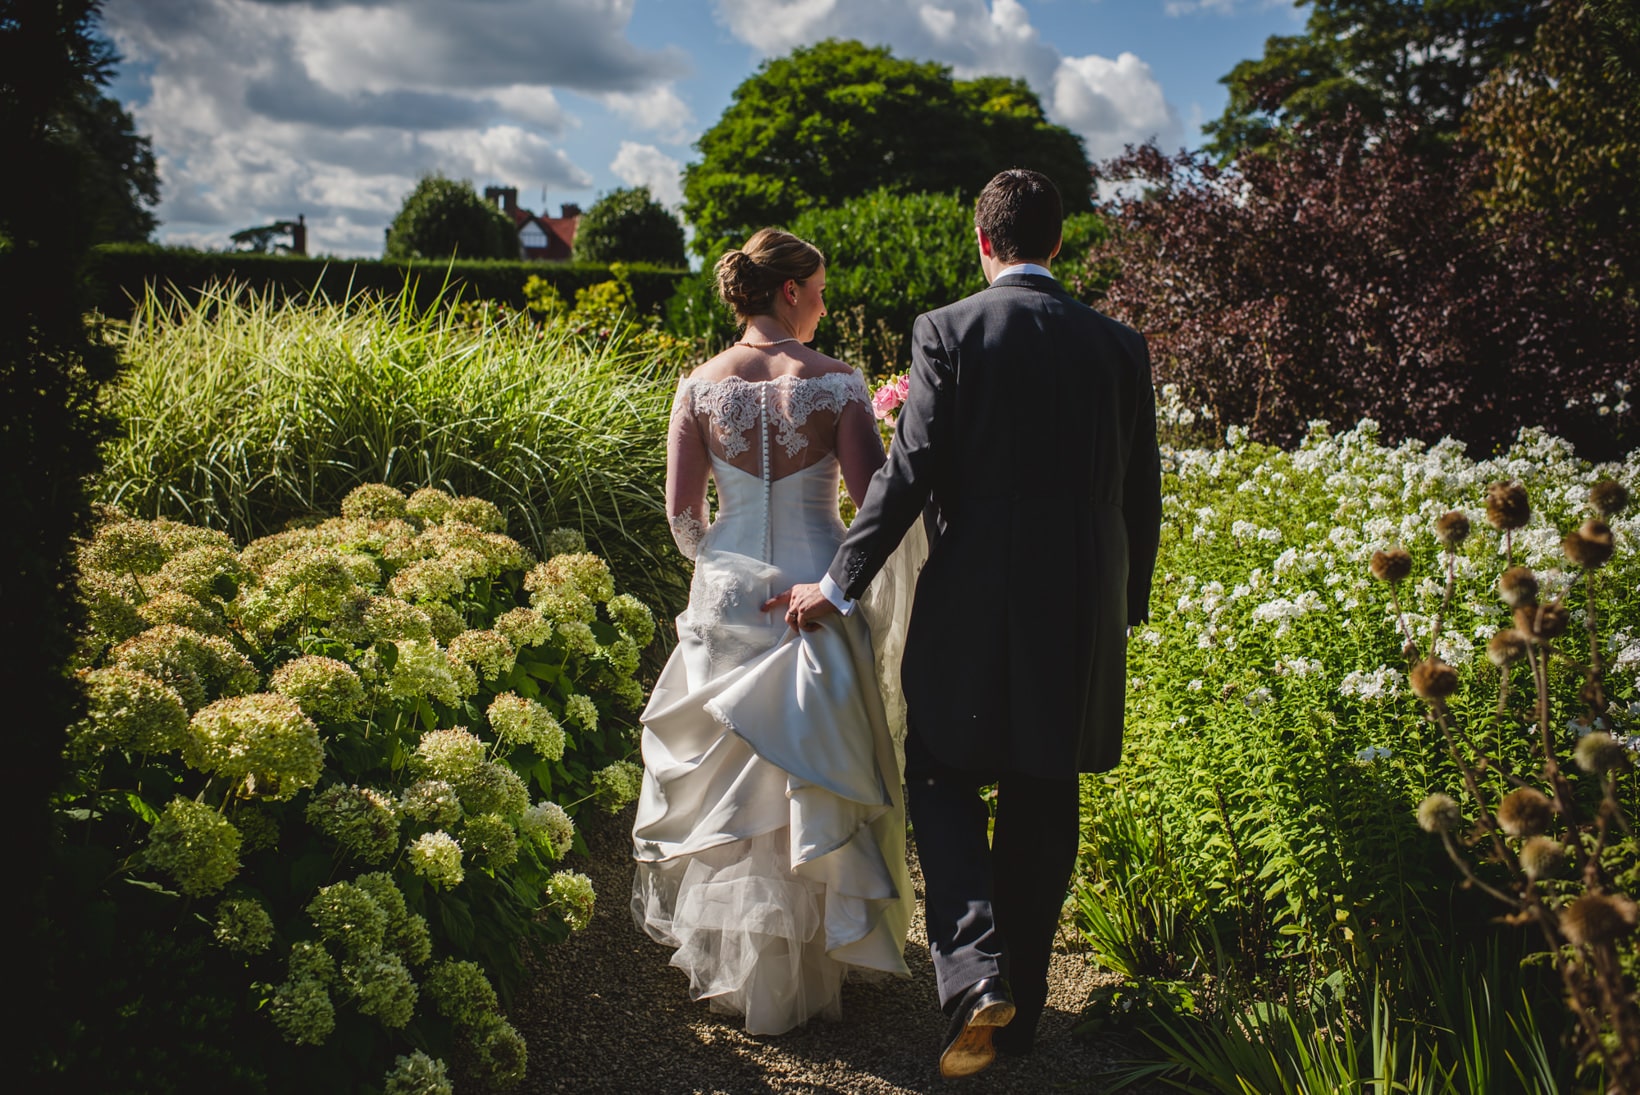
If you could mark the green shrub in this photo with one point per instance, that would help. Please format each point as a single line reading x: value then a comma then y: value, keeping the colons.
x: 247, y: 413
x: 353, y: 781
x: 125, y: 274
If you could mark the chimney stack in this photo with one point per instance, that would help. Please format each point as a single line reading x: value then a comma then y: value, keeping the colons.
x: 571, y: 209
x: 298, y: 236
x: 503, y: 197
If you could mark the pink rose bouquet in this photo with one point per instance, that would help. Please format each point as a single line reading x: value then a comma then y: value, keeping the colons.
x: 887, y: 399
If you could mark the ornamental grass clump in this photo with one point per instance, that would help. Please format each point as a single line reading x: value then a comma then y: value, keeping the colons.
x: 342, y: 753
x: 1530, y: 817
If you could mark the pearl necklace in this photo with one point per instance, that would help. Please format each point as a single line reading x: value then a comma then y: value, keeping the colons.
x: 766, y: 345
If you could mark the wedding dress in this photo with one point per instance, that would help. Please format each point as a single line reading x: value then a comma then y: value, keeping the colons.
x: 770, y: 835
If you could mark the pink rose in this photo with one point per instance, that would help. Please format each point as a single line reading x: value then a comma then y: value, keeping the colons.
x: 890, y: 396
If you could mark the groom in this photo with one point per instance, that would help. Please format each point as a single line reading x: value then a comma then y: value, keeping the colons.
x: 1030, y: 426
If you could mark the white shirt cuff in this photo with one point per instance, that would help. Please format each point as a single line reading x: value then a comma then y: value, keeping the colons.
x: 834, y: 593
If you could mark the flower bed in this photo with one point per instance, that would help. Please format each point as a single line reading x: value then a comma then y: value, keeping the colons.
x: 344, y: 761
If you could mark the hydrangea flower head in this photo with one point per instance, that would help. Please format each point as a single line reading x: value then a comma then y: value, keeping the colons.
x: 171, y: 607
x: 493, y: 788
x: 437, y: 857
x: 196, y: 846
x: 633, y: 617
x: 349, y: 917
x: 500, y: 1050
x: 376, y: 501
x: 478, y: 512
x: 381, y: 987
x: 431, y: 800
x: 417, y: 1074
x: 428, y: 580
x: 262, y: 741
x: 363, y: 820
x: 564, y: 541
x: 550, y: 826
x: 429, y: 504
x: 129, y: 711
x: 580, y: 710
x: 243, y: 924
x: 524, y: 627
x: 575, y: 636
x: 582, y: 572
x: 519, y: 721
x: 621, y: 656
x: 311, y: 961
x: 570, y: 895
x: 488, y: 652
x: 324, y: 688
x: 390, y: 619
x: 617, y: 784
x: 422, y: 669
x: 492, y: 838
x: 449, y: 754
x: 461, y: 992
x: 302, y: 1011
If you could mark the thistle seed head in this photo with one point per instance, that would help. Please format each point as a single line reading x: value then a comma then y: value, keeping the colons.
x: 1437, y: 813
x: 1525, y: 812
x: 1542, y: 857
x: 1542, y: 622
x: 1507, y: 647
x: 1433, y: 679
x: 1518, y: 587
x: 1608, y: 497
x: 1391, y: 566
x: 1597, y: 918
x: 1599, y: 752
x: 1507, y: 506
x: 1590, y: 545
x: 1452, y: 528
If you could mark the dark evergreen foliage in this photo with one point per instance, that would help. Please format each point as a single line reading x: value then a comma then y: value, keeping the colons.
x: 629, y: 225
x: 445, y: 218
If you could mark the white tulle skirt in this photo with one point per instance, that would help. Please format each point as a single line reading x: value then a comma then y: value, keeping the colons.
x: 770, y: 836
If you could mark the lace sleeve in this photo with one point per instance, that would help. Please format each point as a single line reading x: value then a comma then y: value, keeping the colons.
x: 687, y: 466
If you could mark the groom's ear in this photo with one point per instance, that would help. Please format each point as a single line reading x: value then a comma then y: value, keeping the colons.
x: 1055, y: 252
x: 984, y: 242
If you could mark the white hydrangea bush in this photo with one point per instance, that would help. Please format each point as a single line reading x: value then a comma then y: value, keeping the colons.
x: 358, y: 747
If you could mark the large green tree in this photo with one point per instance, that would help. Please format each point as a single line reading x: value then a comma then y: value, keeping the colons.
x: 120, y: 184
x: 51, y: 369
x: 1562, y: 124
x: 443, y: 217
x: 628, y: 225
x: 1415, y: 61
x: 839, y: 119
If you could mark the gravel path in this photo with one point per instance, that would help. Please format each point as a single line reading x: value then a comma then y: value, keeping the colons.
x: 608, y: 1014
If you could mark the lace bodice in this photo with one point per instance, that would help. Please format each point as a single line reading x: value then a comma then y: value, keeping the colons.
x: 769, y: 429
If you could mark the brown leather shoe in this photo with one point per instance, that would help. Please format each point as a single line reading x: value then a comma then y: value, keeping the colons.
x: 986, y: 1006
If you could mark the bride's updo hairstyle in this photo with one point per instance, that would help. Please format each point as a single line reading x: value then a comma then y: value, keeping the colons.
x: 749, y: 278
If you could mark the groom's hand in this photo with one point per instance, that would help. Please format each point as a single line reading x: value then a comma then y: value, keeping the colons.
x: 805, y: 606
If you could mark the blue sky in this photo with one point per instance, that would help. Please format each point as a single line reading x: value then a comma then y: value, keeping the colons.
x: 262, y: 109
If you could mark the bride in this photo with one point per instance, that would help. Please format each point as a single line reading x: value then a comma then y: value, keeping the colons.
x: 770, y: 835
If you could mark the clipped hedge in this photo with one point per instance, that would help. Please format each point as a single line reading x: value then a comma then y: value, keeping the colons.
x: 123, y: 273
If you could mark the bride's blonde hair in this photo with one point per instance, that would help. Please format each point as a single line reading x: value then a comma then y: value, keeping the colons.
x: 749, y: 277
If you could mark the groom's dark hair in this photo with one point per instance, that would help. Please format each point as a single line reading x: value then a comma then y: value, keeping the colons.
x: 1020, y: 214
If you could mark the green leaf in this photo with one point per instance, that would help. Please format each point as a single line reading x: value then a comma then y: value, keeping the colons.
x: 141, y: 808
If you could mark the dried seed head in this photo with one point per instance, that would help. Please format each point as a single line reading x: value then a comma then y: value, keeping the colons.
x: 1589, y: 546
x: 1525, y: 812
x: 1597, y: 918
x: 1451, y: 528
x: 1437, y: 813
x: 1599, y: 752
x: 1433, y: 679
x: 1507, y: 506
x: 1391, y: 566
x: 1542, y: 857
x: 1507, y: 647
x: 1542, y: 622
x: 1518, y: 586
x: 1608, y: 497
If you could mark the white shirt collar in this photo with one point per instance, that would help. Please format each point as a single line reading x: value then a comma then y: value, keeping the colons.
x: 1024, y: 268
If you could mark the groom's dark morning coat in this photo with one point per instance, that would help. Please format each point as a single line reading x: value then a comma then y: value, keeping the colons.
x: 1031, y: 426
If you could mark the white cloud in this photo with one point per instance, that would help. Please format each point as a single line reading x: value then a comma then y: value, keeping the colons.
x: 1112, y: 103
x: 645, y: 165
x: 1109, y: 103
x: 262, y: 109
x: 658, y: 110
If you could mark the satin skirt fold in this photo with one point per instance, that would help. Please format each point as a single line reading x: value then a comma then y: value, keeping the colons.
x: 770, y: 836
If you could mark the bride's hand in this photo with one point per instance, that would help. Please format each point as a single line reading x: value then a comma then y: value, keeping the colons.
x: 805, y: 605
